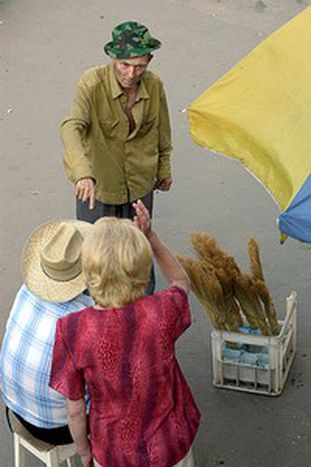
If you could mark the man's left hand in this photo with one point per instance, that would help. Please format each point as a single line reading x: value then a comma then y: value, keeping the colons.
x: 164, y: 184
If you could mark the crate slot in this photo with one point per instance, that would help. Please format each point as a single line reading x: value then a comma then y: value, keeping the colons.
x: 268, y: 375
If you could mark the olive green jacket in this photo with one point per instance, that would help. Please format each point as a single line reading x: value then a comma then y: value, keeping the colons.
x: 97, y: 140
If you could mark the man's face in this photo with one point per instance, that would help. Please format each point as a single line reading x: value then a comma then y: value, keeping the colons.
x: 129, y: 70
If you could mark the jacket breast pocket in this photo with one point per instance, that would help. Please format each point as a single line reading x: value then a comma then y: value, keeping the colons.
x: 109, y: 127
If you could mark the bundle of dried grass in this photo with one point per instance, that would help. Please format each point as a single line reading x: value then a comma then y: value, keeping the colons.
x: 206, y: 248
x: 205, y: 288
x: 210, y: 254
x: 260, y: 285
x: 235, y: 284
x: 230, y: 306
x: 250, y: 303
x: 225, y: 293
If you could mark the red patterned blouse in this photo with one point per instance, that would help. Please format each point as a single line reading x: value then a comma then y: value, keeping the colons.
x: 142, y: 411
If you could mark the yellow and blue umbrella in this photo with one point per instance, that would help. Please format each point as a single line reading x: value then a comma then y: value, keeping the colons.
x: 260, y: 113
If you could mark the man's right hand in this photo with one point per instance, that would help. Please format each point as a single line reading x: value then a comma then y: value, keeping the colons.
x: 85, y: 189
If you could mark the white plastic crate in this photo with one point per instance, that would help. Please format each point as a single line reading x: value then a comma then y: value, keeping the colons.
x: 279, y: 351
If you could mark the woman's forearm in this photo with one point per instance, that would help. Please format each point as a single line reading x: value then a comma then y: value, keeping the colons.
x: 171, y: 268
x: 78, y: 425
x: 168, y: 263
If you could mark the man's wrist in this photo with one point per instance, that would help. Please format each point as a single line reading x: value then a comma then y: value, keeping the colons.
x: 86, y: 178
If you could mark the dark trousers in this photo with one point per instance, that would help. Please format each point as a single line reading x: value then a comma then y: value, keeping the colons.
x: 57, y: 436
x: 123, y: 211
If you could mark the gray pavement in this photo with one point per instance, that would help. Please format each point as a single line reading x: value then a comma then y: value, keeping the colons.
x: 44, y: 48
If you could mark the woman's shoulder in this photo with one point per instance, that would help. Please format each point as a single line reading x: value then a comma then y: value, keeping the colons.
x: 172, y: 291
x: 168, y: 309
x: 174, y: 297
x: 75, y: 316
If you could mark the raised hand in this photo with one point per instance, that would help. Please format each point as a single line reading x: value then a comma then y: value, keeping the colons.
x: 142, y: 218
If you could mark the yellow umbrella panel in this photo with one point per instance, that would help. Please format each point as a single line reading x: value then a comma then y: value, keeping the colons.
x: 260, y: 111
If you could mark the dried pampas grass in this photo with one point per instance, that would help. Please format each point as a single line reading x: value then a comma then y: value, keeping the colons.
x: 206, y: 289
x: 261, y: 286
x: 228, y: 296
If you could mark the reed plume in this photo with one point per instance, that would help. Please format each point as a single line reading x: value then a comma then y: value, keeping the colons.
x: 250, y: 303
x: 261, y: 287
x: 208, y: 250
x: 225, y: 293
x: 205, y: 289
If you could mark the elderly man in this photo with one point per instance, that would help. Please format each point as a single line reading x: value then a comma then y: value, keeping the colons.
x: 53, y: 287
x: 117, y: 136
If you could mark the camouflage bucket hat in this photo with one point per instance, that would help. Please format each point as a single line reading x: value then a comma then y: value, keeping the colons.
x: 131, y: 39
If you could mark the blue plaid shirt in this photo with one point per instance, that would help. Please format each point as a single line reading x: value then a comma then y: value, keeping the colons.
x: 26, y: 357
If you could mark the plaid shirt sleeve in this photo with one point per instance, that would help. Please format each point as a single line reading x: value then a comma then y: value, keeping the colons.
x: 65, y: 377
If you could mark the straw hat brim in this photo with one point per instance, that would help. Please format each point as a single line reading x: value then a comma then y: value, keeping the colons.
x: 33, y: 275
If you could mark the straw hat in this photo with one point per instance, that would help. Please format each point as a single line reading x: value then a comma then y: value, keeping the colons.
x: 51, y: 261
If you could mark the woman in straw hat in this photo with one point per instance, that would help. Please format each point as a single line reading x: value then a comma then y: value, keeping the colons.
x: 142, y: 411
x: 53, y: 287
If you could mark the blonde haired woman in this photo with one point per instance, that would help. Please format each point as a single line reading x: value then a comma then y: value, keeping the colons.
x: 142, y: 411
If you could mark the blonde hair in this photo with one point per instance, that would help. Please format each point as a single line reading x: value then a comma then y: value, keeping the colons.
x: 116, y: 262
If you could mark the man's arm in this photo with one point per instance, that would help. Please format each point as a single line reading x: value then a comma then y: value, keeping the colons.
x: 73, y: 130
x: 164, y: 177
x: 165, y: 184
